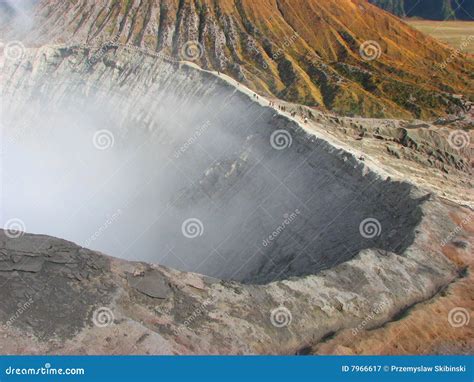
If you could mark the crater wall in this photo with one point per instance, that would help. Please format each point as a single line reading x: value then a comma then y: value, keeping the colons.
x: 126, y: 152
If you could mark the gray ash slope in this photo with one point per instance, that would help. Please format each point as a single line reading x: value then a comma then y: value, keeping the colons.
x: 186, y: 145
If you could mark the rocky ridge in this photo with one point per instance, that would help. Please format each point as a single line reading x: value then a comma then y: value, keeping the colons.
x: 268, y: 46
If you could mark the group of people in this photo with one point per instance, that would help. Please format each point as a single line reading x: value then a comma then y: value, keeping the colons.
x: 272, y: 104
x: 283, y: 108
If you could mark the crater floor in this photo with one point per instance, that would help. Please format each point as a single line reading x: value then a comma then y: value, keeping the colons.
x: 157, y: 161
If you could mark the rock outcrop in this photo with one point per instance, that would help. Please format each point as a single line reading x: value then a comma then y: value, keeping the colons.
x: 61, y: 298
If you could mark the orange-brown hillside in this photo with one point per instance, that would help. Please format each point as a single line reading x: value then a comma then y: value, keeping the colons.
x: 307, y: 51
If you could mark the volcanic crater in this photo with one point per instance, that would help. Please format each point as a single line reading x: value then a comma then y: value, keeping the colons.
x: 132, y: 152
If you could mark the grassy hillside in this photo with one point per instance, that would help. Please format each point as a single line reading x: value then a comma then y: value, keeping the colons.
x: 457, y: 34
x: 429, y: 9
x: 348, y: 56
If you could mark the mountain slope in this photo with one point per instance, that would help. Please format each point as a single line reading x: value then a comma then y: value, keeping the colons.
x: 303, y: 51
x: 429, y: 9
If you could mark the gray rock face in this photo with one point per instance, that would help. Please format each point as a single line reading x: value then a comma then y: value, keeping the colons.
x: 152, y: 284
x: 187, y: 150
x: 82, y: 302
